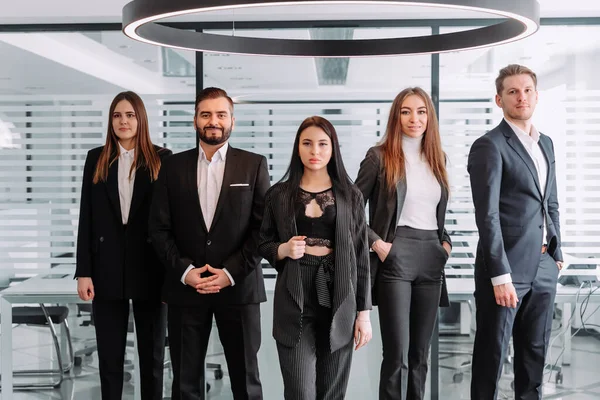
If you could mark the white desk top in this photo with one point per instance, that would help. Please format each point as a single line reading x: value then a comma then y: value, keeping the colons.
x: 58, y: 285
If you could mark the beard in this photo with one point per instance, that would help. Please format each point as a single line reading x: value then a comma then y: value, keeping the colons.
x: 210, y: 138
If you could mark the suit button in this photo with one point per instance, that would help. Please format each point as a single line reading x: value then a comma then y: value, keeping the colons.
x: 102, y: 238
x: 208, y: 242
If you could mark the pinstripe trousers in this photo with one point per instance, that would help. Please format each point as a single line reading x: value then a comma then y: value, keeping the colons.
x: 310, y: 370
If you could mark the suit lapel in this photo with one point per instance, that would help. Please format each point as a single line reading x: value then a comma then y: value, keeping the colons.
x: 112, y: 188
x: 293, y: 280
x: 228, y: 175
x: 400, y: 197
x: 140, y: 188
x: 191, y: 172
x: 514, y: 142
x: 546, y: 151
x: 343, y: 244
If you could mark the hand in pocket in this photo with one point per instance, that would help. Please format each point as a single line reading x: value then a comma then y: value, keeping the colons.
x: 382, y: 249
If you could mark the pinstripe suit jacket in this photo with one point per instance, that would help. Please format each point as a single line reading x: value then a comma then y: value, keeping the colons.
x: 352, y: 291
x: 385, y: 209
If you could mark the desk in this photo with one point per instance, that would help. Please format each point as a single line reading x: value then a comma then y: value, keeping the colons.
x: 39, y: 289
x: 461, y: 289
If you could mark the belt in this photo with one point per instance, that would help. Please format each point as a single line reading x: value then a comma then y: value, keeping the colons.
x: 324, y: 281
x: 544, y: 248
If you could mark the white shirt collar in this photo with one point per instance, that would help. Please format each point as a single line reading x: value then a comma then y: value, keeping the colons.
x: 221, y: 153
x: 534, y: 135
x: 126, y: 153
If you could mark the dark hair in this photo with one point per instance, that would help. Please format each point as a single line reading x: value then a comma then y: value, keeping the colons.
x: 431, y: 146
x: 210, y: 93
x: 512, y: 70
x: 145, y: 153
x: 335, y: 168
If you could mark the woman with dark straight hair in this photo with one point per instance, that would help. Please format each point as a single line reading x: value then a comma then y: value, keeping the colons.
x: 404, y: 180
x: 116, y: 262
x: 314, y: 233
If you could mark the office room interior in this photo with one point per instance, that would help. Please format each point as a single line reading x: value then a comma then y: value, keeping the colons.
x: 62, y: 62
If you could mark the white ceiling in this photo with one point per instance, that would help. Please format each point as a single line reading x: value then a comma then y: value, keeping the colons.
x: 105, y: 62
x: 78, y: 11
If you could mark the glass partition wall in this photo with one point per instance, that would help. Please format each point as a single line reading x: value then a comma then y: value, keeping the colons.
x: 56, y: 87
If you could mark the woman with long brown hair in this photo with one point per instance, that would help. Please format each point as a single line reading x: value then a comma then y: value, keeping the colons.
x: 115, y: 259
x: 405, y: 182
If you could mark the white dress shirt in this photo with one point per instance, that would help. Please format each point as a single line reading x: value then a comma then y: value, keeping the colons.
x: 126, y: 158
x: 531, y: 142
x: 423, y: 191
x: 209, y: 181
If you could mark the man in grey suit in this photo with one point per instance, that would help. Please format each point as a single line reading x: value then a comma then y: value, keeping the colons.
x: 513, y: 181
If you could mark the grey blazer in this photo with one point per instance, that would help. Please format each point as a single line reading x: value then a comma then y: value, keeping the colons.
x: 352, y: 291
x: 509, y: 206
x: 385, y: 208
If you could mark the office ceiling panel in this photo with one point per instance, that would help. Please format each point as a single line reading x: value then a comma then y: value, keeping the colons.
x: 69, y: 11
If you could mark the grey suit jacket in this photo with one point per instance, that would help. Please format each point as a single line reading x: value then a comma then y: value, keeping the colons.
x: 352, y: 291
x: 509, y: 206
x: 385, y: 208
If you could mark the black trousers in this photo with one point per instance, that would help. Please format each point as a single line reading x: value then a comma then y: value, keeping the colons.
x: 239, y: 332
x: 111, y: 319
x: 310, y: 370
x: 409, y: 288
x: 530, y: 324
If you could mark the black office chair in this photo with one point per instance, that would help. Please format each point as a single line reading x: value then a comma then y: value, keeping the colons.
x: 85, y: 309
x: 45, y: 316
x: 218, y: 373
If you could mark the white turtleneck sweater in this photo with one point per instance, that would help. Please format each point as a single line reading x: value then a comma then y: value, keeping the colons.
x: 423, y: 191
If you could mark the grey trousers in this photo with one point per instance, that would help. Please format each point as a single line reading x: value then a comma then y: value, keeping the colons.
x: 310, y: 370
x: 409, y: 288
x: 530, y: 325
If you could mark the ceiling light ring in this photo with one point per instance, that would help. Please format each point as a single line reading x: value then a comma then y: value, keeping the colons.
x: 139, y: 18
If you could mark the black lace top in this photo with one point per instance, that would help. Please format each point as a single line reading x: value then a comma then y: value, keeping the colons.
x: 316, y: 221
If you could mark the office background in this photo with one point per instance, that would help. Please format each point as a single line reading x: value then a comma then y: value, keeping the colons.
x: 62, y: 63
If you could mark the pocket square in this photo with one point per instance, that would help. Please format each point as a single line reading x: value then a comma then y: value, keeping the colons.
x: 239, y: 184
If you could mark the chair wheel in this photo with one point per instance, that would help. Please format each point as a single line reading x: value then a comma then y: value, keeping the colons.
x: 559, y: 378
x: 127, y: 376
x: 208, y: 387
x: 78, y: 361
x: 512, y: 385
x: 457, y: 378
x: 218, y: 374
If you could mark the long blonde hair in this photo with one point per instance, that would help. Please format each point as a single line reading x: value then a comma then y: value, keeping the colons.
x: 431, y: 146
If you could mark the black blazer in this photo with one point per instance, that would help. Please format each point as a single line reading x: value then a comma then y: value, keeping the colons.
x: 509, y: 206
x: 120, y: 261
x: 181, y: 237
x: 385, y: 209
x: 352, y: 291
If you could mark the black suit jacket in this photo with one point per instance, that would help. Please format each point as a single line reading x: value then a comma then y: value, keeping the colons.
x: 352, y: 291
x: 120, y: 261
x: 385, y: 208
x: 509, y: 206
x: 181, y: 237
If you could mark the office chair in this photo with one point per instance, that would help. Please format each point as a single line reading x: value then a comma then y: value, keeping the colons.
x: 45, y: 316
x: 218, y: 371
x: 90, y: 346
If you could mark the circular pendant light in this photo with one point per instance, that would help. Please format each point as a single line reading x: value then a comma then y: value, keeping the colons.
x: 140, y: 23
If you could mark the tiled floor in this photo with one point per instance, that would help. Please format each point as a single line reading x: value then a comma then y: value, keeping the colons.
x: 32, y: 349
